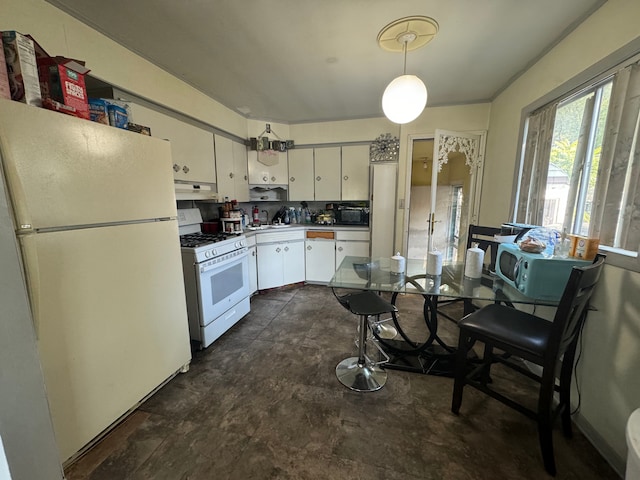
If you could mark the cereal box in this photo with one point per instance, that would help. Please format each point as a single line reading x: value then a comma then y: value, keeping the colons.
x: 22, y: 69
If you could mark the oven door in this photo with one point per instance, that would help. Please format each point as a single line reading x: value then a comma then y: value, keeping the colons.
x: 222, y: 283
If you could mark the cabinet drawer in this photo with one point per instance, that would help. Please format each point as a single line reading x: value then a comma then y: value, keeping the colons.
x: 329, y: 235
x: 286, y: 236
x: 352, y: 235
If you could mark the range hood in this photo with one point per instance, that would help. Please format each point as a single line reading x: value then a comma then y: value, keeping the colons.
x: 268, y: 193
x: 191, y: 191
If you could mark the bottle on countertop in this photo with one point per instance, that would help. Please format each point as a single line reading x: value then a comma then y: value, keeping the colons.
x: 287, y: 219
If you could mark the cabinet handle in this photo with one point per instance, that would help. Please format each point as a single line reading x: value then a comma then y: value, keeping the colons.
x: 265, y: 179
x: 278, y: 250
x: 292, y: 179
x: 253, y: 254
x: 346, y: 177
x: 339, y: 249
x: 308, y: 247
x: 176, y: 167
x: 185, y: 169
x: 286, y: 249
x: 273, y: 179
x: 231, y: 175
x: 245, y: 177
x: 318, y: 178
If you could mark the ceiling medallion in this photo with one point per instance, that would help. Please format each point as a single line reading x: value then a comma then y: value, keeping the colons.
x: 385, y: 148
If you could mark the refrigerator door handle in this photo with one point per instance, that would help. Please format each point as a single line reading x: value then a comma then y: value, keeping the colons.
x: 32, y: 274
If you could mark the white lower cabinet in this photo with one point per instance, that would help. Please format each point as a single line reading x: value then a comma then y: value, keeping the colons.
x: 280, y: 258
x: 349, y: 243
x: 320, y: 259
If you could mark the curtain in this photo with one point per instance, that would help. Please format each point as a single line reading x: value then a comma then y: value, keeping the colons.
x: 616, y: 208
x: 535, y: 167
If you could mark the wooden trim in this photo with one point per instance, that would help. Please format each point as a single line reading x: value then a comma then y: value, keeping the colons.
x: 330, y: 235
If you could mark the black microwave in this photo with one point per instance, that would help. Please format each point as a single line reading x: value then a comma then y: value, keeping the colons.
x: 352, y: 215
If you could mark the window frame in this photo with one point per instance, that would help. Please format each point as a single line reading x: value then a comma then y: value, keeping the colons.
x: 589, y: 78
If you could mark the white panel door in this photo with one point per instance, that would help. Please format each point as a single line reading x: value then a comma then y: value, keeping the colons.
x: 270, y: 267
x: 301, y: 181
x: 111, y: 321
x: 320, y: 260
x: 191, y: 147
x: 327, y: 170
x: 383, y: 209
x: 240, y: 173
x: 353, y: 249
x: 224, y: 167
x: 457, y: 173
x: 293, y: 258
x: 355, y: 172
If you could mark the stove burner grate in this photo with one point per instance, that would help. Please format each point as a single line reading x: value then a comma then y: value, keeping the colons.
x: 194, y: 240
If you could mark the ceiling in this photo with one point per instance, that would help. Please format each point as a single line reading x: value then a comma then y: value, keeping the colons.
x: 295, y: 61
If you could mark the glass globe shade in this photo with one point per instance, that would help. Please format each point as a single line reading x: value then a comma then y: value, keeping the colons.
x: 404, y: 99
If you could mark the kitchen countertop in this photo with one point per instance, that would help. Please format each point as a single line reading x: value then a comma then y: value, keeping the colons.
x: 305, y: 226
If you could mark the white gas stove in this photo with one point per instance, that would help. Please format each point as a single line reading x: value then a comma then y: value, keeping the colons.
x: 216, y: 278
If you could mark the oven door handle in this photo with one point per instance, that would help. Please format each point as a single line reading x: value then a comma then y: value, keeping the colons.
x: 211, y: 265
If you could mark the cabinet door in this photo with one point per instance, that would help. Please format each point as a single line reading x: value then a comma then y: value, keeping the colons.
x: 240, y: 175
x: 356, y: 249
x: 320, y: 260
x: 327, y: 173
x: 258, y: 172
x: 253, y: 270
x: 192, y: 148
x: 301, y: 174
x: 261, y: 174
x: 270, y: 273
x: 224, y: 167
x: 355, y: 172
x: 293, y: 262
x: 279, y: 173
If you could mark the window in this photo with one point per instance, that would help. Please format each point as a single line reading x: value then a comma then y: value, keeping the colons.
x: 581, y: 163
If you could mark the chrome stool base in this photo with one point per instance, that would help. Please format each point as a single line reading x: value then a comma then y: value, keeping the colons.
x: 386, y: 332
x: 360, y: 376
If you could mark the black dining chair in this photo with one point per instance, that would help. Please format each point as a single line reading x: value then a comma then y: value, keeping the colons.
x: 520, y: 335
x: 484, y: 237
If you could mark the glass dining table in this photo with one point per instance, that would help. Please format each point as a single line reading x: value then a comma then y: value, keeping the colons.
x: 431, y: 355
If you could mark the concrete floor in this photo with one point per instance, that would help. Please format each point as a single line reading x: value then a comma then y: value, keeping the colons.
x: 263, y: 402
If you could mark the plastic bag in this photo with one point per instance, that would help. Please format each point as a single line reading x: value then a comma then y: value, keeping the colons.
x: 539, y: 240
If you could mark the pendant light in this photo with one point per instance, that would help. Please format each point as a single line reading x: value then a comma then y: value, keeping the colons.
x: 405, y: 97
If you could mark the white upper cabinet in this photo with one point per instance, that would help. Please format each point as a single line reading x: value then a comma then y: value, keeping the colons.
x: 327, y: 171
x: 273, y: 172
x: 231, y: 168
x: 355, y: 172
x: 192, y: 148
x: 301, y: 174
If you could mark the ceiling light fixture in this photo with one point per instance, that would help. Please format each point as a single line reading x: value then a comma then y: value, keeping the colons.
x: 405, y: 97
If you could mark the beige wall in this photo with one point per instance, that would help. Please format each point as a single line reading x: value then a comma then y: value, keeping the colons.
x: 61, y: 34
x: 608, y: 370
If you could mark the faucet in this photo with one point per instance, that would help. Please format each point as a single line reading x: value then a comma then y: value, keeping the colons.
x: 267, y: 216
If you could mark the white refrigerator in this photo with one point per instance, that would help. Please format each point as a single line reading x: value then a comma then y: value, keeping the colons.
x: 95, y: 216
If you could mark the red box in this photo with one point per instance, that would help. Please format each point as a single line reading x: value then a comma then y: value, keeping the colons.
x: 62, y: 80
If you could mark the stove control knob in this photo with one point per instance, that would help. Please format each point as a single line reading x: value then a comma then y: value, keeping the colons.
x: 207, y: 254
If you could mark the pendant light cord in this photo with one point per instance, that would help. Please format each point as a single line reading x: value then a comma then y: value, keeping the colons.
x: 404, y: 68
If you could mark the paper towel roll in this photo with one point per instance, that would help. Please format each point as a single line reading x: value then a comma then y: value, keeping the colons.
x: 473, y: 262
x: 434, y: 263
x: 398, y: 263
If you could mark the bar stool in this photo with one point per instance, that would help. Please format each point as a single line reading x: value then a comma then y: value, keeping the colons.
x: 361, y: 373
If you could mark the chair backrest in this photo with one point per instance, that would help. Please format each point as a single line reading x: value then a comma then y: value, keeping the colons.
x: 572, y: 309
x: 483, y: 236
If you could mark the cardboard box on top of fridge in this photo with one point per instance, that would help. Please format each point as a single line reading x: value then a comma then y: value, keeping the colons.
x: 22, y: 70
x: 5, y: 91
x: 62, y: 80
